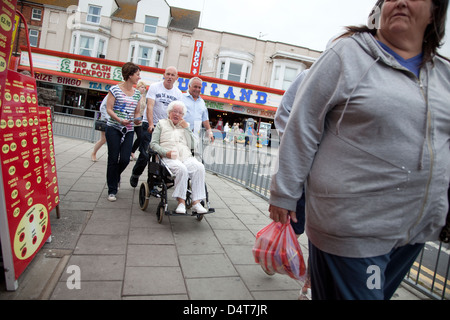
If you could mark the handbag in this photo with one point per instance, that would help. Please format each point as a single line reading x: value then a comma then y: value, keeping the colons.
x: 100, y: 125
x: 277, y: 250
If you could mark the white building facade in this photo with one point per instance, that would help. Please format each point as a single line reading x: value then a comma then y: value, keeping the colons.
x: 152, y: 34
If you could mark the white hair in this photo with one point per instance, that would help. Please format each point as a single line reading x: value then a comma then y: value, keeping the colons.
x: 176, y: 103
x: 193, y: 79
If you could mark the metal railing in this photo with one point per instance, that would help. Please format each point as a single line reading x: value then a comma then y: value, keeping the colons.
x: 248, y: 165
x: 71, y: 122
x: 252, y: 166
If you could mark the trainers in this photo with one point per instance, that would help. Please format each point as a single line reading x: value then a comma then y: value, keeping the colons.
x: 134, y: 180
x: 181, y: 208
x: 112, y: 197
x: 199, y: 208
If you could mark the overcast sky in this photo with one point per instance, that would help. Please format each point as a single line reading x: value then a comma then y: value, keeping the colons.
x: 307, y: 23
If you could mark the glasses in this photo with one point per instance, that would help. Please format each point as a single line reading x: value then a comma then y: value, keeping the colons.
x: 178, y: 112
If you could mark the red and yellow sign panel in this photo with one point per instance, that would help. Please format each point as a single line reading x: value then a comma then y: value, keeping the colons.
x: 23, y: 169
x: 48, y: 158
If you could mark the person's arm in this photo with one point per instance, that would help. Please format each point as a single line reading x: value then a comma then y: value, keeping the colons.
x: 209, y: 132
x: 285, y: 107
x: 110, y: 106
x: 137, y: 114
x: 155, y: 143
x: 190, y: 137
x: 110, y: 110
x: 150, y: 105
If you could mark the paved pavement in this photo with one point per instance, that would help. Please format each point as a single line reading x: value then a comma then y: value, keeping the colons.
x: 122, y: 252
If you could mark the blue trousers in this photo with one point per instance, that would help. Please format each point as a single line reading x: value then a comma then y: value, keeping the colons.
x: 119, y: 153
x: 375, y: 278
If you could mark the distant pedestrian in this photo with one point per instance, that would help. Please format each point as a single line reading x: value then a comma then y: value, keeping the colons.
x: 142, y: 87
x: 103, y: 116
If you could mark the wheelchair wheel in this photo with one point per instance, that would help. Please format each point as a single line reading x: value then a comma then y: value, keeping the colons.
x: 199, y: 217
x: 144, y: 194
x: 160, y: 211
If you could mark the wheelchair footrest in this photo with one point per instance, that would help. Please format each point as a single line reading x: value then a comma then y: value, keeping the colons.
x: 173, y: 213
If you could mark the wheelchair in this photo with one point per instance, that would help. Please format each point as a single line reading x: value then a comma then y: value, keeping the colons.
x: 159, y: 180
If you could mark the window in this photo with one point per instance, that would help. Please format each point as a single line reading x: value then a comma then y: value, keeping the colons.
x: 289, y: 77
x: 146, y: 54
x: 234, y: 65
x: 93, y: 15
x: 36, y: 14
x: 284, y: 73
x: 132, y: 54
x: 100, y: 48
x: 157, y: 58
x: 151, y: 23
x: 34, y: 37
x: 86, y: 46
x: 234, y: 70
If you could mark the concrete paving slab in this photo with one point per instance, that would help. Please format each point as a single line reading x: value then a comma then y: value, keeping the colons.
x: 257, y: 280
x: 114, y: 214
x: 89, y: 244
x: 97, y: 267
x: 207, y: 266
x: 146, y: 255
x: 240, y: 254
x: 140, y: 235
x: 89, y: 290
x: 220, y: 223
x: 276, y: 295
x: 148, y: 220
x: 107, y: 227
x: 156, y: 281
x: 232, y: 288
x: 235, y: 237
x: 83, y: 196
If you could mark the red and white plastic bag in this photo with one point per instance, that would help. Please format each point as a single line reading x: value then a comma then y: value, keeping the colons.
x: 277, y: 250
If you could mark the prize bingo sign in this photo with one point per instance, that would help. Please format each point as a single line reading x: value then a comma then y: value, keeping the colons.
x: 28, y: 189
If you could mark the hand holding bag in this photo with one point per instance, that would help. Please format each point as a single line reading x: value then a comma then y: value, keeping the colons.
x: 277, y: 250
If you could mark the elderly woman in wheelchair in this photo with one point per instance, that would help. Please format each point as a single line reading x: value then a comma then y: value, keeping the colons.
x: 173, y: 140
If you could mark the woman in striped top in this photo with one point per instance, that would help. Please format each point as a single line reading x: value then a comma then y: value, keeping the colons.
x: 123, y: 109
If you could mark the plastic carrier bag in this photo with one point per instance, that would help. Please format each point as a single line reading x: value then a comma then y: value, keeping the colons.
x: 277, y: 250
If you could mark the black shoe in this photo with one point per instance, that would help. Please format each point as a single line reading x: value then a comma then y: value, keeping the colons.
x: 134, y: 180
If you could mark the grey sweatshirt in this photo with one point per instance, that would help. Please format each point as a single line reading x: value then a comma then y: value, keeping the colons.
x: 371, y: 143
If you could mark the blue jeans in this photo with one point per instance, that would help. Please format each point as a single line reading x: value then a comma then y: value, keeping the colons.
x: 374, y: 278
x: 119, y: 153
x: 143, y: 158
